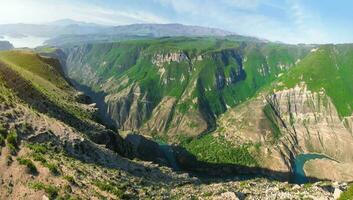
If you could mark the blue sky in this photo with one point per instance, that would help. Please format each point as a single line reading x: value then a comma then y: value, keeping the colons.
x: 291, y: 21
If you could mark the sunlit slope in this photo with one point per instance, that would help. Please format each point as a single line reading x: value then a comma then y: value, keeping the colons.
x: 39, y: 82
x: 329, y: 67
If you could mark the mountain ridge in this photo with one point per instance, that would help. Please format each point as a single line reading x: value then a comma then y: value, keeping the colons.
x: 81, y: 153
x: 177, y: 90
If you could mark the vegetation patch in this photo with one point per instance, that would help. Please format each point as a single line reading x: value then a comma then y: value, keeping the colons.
x: 270, y: 115
x: 12, y: 149
x: 109, y: 187
x: 53, y: 168
x: 38, y: 148
x: 3, y: 131
x: 28, y: 163
x: 70, y: 179
x: 347, y: 195
x: 12, y: 138
x: 218, y: 150
x: 328, y: 68
x: 2, y: 140
x: 51, y: 190
x: 38, y: 155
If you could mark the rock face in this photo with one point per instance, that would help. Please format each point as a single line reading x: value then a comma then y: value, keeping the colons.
x: 290, y: 122
x: 161, y: 60
x: 329, y: 170
x: 167, y: 90
x: 171, y: 91
x: 145, y: 149
x: 312, y: 123
x: 127, y: 109
x: 161, y: 116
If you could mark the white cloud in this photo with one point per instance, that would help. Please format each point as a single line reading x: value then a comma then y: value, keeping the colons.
x: 38, y: 11
x: 308, y: 25
x: 245, y: 17
x: 241, y: 16
x: 244, y: 4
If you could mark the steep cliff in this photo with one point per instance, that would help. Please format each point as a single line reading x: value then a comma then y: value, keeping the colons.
x: 176, y: 87
x: 51, y: 147
x: 300, y: 113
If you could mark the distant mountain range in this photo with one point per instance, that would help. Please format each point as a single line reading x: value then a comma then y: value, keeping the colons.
x: 69, y: 31
x: 68, y: 22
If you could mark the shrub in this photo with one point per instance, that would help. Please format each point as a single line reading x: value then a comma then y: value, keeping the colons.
x: 3, y: 131
x: 70, y: 179
x: 109, y: 187
x: 12, y: 149
x: 38, y: 151
x: 28, y: 163
x: 39, y: 158
x: 52, y: 191
x: 2, y: 140
x: 38, y: 148
x: 9, y: 160
x: 52, y: 168
x: 24, y: 128
x: 12, y: 138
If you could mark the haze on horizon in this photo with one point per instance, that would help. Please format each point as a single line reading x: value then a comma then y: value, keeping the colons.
x: 290, y: 21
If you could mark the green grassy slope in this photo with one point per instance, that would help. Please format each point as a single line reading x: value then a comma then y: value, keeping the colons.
x: 329, y: 67
x: 228, y: 74
x: 245, y: 67
x: 38, y: 82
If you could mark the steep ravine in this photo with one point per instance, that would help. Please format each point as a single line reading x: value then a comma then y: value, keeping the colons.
x: 174, y: 92
x: 58, y: 150
x: 289, y: 123
x: 310, y: 123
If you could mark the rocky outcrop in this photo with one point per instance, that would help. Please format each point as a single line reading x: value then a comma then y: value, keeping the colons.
x: 161, y: 59
x: 259, y: 189
x: 60, y: 56
x: 145, y: 149
x: 128, y: 108
x: 161, y: 116
x: 190, y: 124
x: 309, y: 121
x: 325, y: 169
x: 290, y: 122
x: 75, y: 57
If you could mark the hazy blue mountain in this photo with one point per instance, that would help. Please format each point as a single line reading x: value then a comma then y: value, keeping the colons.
x: 68, y: 22
x: 70, y: 31
x: 5, y: 45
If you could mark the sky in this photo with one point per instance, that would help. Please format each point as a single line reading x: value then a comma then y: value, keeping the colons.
x: 290, y: 21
